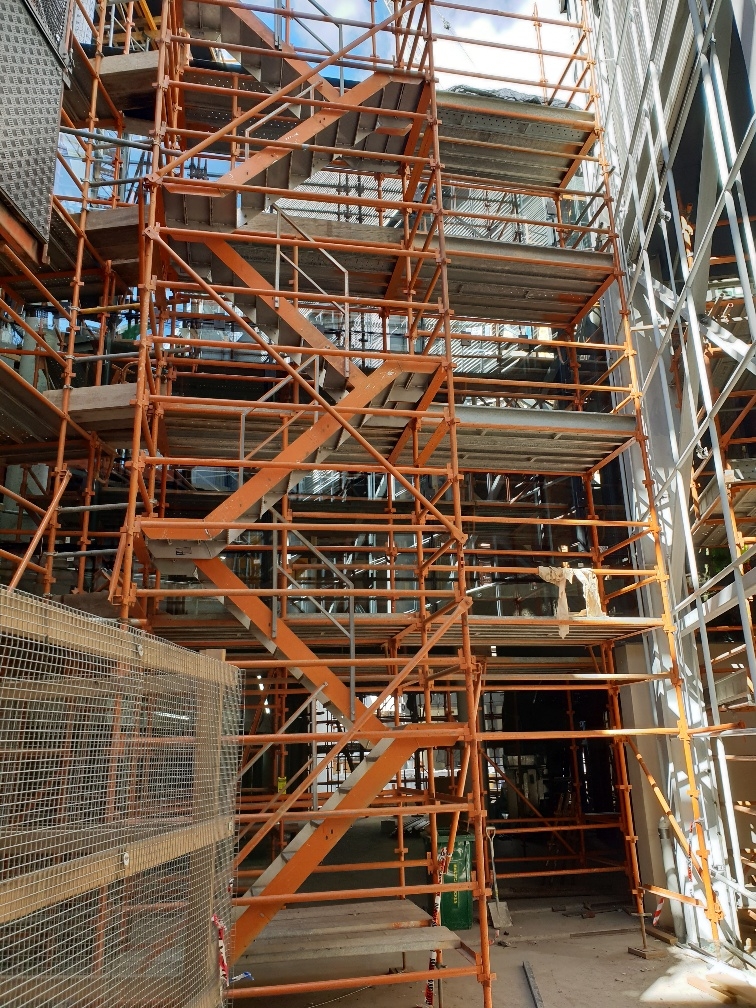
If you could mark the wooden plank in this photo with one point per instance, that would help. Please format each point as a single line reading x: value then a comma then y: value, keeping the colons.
x: 737, y: 982
x: 373, y: 916
x: 603, y: 931
x: 46, y: 887
x: 702, y: 984
x: 661, y: 935
x: 646, y: 953
x: 347, y: 943
x: 335, y: 924
x: 391, y: 912
x: 534, y: 992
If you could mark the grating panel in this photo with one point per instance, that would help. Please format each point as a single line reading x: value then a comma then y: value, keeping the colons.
x: 116, y: 813
x: 53, y: 15
x: 31, y: 79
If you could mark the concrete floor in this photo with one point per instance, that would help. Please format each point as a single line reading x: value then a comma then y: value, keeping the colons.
x: 581, y: 972
x: 584, y: 972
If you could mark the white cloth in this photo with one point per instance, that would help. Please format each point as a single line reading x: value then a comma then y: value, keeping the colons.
x: 561, y: 577
x: 589, y: 581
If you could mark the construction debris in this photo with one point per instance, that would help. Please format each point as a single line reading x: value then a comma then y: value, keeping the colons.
x: 530, y: 977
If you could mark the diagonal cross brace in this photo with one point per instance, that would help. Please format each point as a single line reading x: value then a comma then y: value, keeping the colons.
x: 169, y: 168
x: 274, y: 479
x: 286, y: 311
x: 302, y: 132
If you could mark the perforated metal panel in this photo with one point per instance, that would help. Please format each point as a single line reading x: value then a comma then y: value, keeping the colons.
x: 31, y: 78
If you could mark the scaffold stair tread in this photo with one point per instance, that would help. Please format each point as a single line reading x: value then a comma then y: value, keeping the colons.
x: 365, y: 915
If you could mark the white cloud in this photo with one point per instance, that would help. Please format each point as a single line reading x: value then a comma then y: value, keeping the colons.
x: 470, y: 63
x: 457, y: 62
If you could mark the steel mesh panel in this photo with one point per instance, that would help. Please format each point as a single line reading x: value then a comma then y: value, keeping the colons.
x: 117, y: 787
x: 31, y: 78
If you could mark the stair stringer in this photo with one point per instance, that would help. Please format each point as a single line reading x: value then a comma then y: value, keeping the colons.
x: 258, y: 619
x: 274, y: 479
x: 307, y: 130
x: 367, y: 780
x: 309, y: 828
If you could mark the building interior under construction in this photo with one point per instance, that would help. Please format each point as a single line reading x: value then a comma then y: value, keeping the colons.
x: 377, y: 517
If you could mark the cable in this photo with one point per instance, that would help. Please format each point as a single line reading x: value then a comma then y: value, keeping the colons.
x: 340, y: 998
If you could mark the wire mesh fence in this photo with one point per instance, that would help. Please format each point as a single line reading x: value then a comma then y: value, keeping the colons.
x: 117, y: 786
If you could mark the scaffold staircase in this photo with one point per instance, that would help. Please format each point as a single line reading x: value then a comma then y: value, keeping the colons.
x: 314, y: 841
x: 309, y: 828
x: 381, y: 763
x: 404, y: 383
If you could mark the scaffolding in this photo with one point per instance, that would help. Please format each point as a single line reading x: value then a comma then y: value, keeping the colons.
x: 319, y: 372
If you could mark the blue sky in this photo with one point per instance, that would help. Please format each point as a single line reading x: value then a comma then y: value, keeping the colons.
x: 456, y: 60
